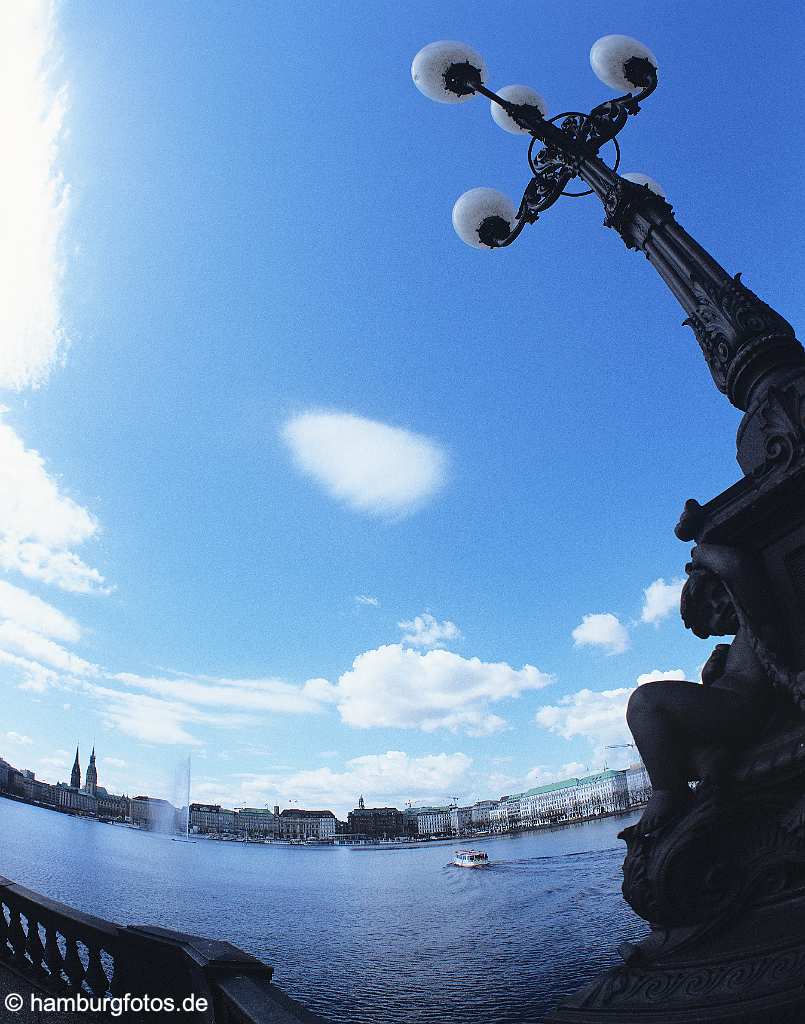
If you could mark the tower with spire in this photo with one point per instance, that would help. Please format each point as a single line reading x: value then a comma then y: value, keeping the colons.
x: 75, y: 775
x: 91, y: 781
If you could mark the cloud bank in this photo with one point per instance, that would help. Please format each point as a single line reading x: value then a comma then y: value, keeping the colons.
x: 39, y: 525
x: 33, y: 196
x: 395, y: 686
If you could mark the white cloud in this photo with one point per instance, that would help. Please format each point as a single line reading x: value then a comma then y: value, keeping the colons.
x: 19, y: 739
x: 153, y: 720
x: 597, y: 716
x: 425, y: 631
x: 604, y: 630
x: 29, y: 611
x: 367, y: 599
x: 384, y: 779
x: 399, y: 687
x: 17, y: 639
x: 56, y: 766
x: 542, y: 775
x: 660, y: 599
x: 38, y: 524
x: 656, y: 674
x: 369, y: 466
x: 258, y: 695
x: 35, y: 677
x: 33, y: 196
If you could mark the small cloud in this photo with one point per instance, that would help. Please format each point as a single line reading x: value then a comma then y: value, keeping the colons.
x: 425, y: 631
x: 657, y: 674
x: 113, y: 762
x: 660, y: 599
x: 604, y: 630
x: 542, y: 775
x: 367, y: 599
x: 33, y: 613
x: 19, y: 739
x: 367, y: 465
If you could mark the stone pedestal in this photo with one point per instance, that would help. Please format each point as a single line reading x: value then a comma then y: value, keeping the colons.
x: 723, y: 887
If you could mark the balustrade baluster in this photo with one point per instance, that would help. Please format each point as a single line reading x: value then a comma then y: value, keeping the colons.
x: 53, y: 956
x: 4, y: 909
x: 16, y: 936
x: 73, y: 967
x: 35, y: 949
x: 95, y: 975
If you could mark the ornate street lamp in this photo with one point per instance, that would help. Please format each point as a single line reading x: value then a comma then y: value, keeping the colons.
x: 748, y: 346
x: 722, y: 879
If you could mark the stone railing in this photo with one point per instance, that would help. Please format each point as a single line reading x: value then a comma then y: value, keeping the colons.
x: 62, y: 952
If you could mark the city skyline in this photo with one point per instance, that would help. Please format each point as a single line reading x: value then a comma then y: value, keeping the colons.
x: 607, y: 791
x: 293, y: 482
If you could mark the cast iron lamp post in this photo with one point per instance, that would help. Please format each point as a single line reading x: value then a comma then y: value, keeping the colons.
x: 721, y: 880
x: 748, y: 346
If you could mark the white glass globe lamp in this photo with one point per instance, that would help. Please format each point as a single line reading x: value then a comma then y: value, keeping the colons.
x: 431, y: 68
x: 609, y: 57
x: 643, y: 179
x: 516, y: 94
x: 483, y: 215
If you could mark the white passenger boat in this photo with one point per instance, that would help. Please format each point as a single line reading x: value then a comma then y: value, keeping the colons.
x: 470, y: 859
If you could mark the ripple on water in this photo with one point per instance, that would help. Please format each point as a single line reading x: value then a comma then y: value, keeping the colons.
x: 376, y: 936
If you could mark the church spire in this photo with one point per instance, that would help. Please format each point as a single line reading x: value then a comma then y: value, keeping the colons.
x: 91, y: 780
x: 75, y: 775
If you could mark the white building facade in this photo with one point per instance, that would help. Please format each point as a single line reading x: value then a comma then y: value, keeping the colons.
x: 435, y: 821
x: 460, y: 820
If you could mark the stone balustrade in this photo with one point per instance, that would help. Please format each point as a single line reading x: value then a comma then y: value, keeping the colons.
x: 59, y: 951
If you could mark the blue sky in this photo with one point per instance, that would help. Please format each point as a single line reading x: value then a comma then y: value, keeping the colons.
x: 264, y: 409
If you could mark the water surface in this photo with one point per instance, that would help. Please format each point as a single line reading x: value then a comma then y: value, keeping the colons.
x: 376, y: 936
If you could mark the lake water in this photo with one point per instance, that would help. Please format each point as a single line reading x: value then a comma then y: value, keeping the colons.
x: 372, y: 936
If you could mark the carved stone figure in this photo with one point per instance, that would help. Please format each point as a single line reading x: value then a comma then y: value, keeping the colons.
x: 686, y: 731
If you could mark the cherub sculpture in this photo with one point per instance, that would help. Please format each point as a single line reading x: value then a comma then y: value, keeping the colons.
x: 676, y: 723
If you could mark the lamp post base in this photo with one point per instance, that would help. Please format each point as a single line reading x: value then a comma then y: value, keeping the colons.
x: 751, y: 973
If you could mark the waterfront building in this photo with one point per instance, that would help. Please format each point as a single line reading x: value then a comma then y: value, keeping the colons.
x: 75, y: 775
x: 433, y: 821
x: 68, y: 798
x: 544, y: 805
x: 112, y: 807
x: 37, y: 792
x: 604, y: 793
x: 506, y: 815
x: 91, y: 780
x: 258, y: 822
x: 152, y: 812
x: 480, y: 813
x: 460, y: 819
x: 638, y: 784
x: 5, y: 769
x: 375, y: 822
x: 296, y: 823
x: 211, y: 818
